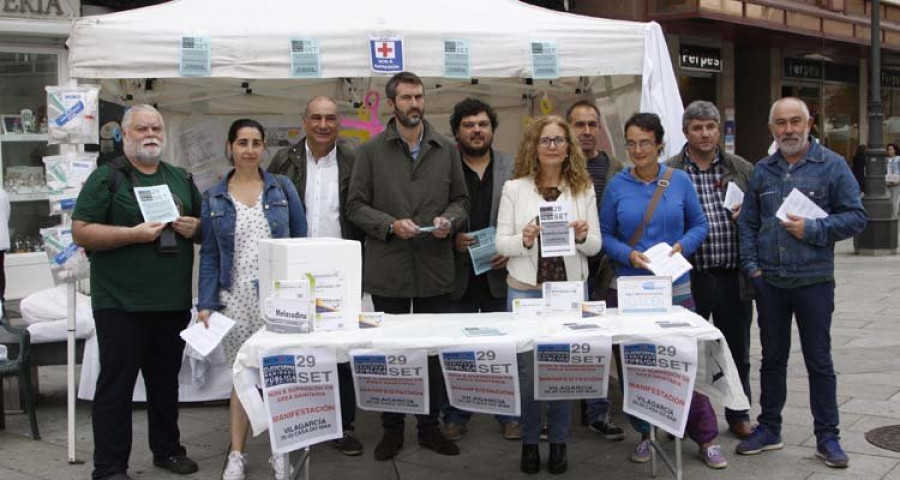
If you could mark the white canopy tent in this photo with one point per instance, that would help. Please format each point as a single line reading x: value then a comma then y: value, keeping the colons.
x: 135, y: 56
x: 623, y: 64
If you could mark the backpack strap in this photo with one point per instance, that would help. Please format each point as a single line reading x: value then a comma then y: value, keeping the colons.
x: 651, y: 207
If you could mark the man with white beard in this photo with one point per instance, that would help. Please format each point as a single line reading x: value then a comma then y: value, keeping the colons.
x: 140, y: 294
x: 791, y: 265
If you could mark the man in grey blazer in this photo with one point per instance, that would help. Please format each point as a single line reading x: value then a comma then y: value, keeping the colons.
x: 486, y: 170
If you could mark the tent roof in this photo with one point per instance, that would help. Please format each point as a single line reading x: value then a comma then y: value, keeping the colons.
x: 251, y: 40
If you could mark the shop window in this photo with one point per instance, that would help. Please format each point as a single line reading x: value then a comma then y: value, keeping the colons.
x: 841, y: 122
x: 890, y: 98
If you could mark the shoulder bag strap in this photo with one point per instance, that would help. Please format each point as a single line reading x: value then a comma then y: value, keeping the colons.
x: 648, y: 214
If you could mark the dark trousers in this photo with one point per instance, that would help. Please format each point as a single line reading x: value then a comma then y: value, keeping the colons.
x: 436, y: 388
x: 348, y: 396
x: 717, y: 293
x: 478, y: 298
x: 812, y: 306
x: 3, y: 281
x: 130, y: 342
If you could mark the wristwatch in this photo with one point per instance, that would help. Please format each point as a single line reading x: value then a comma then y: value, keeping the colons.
x: 391, y: 229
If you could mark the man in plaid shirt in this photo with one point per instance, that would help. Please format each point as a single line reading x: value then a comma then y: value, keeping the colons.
x: 717, y: 285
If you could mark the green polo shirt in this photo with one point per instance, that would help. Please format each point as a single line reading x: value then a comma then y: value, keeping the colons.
x: 137, y: 278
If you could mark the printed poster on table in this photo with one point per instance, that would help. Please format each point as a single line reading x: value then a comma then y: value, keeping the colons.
x: 300, y: 392
x: 659, y: 377
x: 572, y: 368
x: 483, y: 378
x: 391, y: 380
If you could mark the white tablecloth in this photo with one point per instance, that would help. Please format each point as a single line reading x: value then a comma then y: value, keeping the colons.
x: 717, y: 376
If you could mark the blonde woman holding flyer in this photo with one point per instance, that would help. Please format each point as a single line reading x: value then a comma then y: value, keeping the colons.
x: 549, y: 168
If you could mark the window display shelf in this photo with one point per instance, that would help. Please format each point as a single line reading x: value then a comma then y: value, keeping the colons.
x: 23, y: 137
x: 28, y: 197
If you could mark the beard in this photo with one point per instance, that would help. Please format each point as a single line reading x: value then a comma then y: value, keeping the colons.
x: 792, y: 145
x: 471, y: 151
x: 406, y: 119
x: 148, y: 152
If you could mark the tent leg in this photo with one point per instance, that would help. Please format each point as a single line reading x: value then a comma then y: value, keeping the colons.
x: 70, y: 371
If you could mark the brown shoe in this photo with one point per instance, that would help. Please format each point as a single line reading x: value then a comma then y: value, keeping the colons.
x: 741, y: 428
x: 512, y: 431
x: 432, y: 439
x: 390, y: 444
x: 454, y: 431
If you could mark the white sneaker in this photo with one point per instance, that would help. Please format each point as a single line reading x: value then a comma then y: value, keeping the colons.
x: 234, y: 469
x: 277, y: 463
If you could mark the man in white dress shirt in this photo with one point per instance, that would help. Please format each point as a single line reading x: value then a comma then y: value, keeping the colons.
x: 320, y: 165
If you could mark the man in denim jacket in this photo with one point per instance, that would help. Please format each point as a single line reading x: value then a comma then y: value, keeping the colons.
x: 791, y: 264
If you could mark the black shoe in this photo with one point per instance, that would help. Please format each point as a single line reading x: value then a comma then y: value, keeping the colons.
x: 531, y: 459
x: 349, y: 445
x: 390, y: 444
x: 609, y: 430
x: 432, y: 439
x: 558, y: 462
x: 179, y: 464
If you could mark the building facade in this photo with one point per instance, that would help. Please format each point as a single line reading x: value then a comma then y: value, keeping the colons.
x: 744, y: 54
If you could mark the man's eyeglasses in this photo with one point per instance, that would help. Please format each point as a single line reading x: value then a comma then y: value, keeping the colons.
x: 642, y: 145
x: 547, y: 141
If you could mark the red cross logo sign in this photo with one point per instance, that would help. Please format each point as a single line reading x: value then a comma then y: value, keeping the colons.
x: 385, y: 50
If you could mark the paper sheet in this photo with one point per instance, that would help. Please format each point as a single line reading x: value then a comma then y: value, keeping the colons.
x: 203, y: 339
x: 156, y: 203
x: 799, y: 204
x: 663, y: 265
x: 483, y: 250
x: 557, y: 237
x: 733, y: 196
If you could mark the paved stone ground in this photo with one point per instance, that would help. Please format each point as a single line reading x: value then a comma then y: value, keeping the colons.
x: 865, y: 337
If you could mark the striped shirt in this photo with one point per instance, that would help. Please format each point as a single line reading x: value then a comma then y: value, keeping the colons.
x: 598, y: 167
x: 720, y: 249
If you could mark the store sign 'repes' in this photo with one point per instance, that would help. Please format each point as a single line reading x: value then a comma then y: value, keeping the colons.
x: 391, y: 380
x: 46, y: 9
x: 659, y: 380
x: 300, y: 391
x: 483, y: 378
x: 702, y: 59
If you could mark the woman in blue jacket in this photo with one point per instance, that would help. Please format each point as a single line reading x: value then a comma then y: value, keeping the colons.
x: 677, y: 220
x: 249, y: 204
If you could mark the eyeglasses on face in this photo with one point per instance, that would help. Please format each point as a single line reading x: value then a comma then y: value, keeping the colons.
x: 642, y: 145
x: 547, y: 141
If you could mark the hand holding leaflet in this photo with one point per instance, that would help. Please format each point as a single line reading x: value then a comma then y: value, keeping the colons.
x: 204, y: 339
x: 800, y: 205
x: 665, y: 265
x: 734, y: 196
x: 156, y: 203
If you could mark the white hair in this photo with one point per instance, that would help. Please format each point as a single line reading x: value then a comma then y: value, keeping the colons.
x: 802, y: 104
x: 141, y: 107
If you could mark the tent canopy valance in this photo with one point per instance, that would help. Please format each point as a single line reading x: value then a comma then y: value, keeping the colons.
x: 250, y: 55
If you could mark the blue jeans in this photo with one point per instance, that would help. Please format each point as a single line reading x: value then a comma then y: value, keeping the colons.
x: 812, y: 305
x: 559, y: 412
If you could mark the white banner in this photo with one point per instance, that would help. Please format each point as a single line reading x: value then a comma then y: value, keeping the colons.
x: 659, y: 380
x: 391, y: 380
x: 483, y: 379
x: 300, y: 391
x: 571, y: 368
